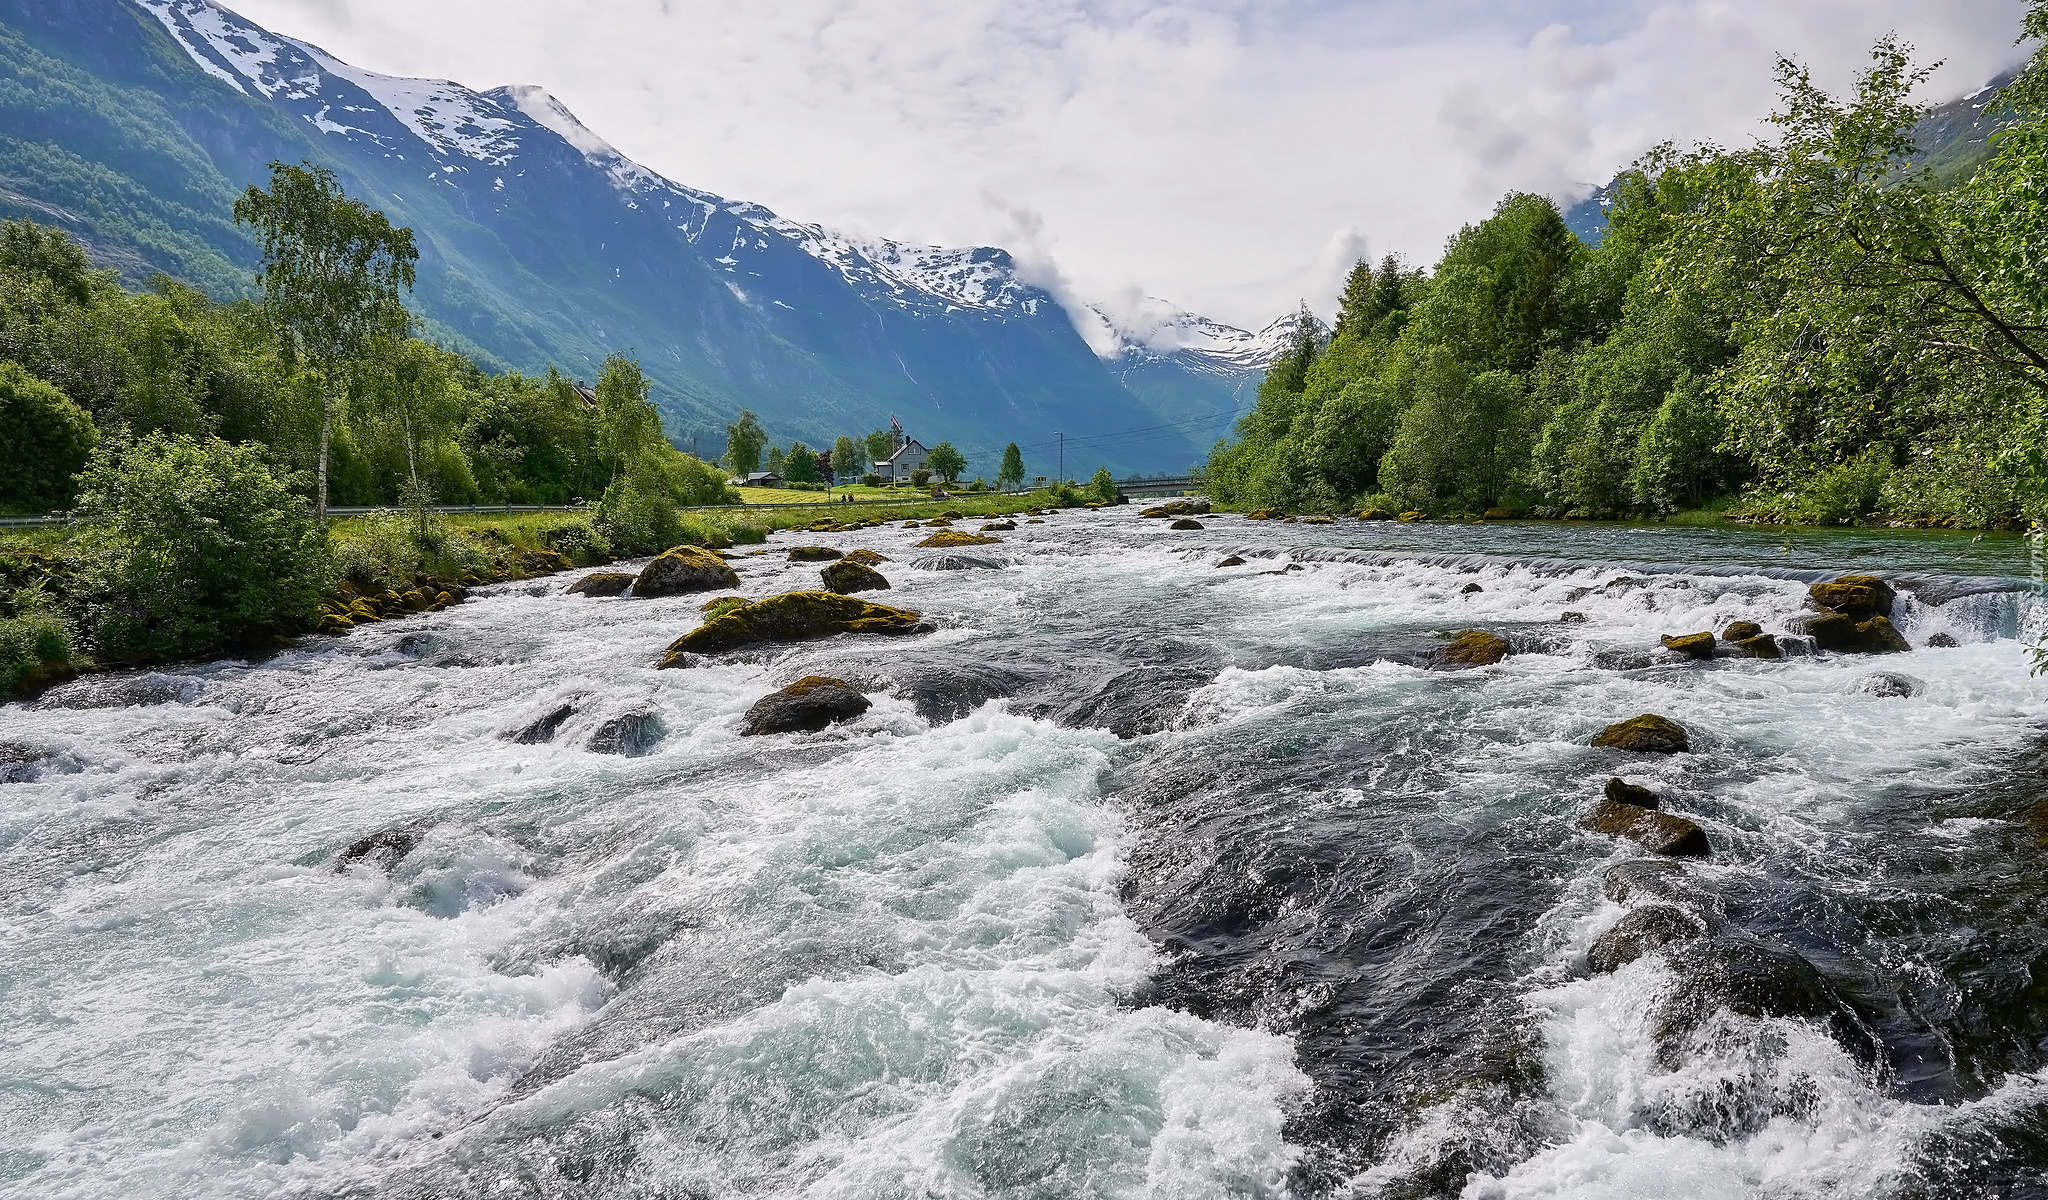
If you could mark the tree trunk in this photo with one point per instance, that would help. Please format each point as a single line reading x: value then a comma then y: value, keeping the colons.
x: 326, y: 435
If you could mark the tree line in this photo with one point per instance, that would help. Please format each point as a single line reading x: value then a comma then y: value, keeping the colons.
x: 848, y: 460
x: 1811, y: 329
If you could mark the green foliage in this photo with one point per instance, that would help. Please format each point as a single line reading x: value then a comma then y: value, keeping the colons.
x: 881, y: 444
x: 1102, y: 486
x: 800, y: 464
x: 1011, y: 474
x: 45, y: 439
x: 744, y: 440
x: 849, y: 459
x: 35, y: 639
x: 946, y: 461
x: 774, y: 464
x: 193, y: 544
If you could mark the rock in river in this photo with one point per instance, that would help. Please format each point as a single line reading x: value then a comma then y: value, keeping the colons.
x: 1751, y: 978
x: 1741, y: 631
x: 846, y: 577
x: 1657, y: 832
x: 948, y: 539
x: 1855, y: 595
x: 1763, y: 645
x: 808, y: 705
x: 1476, y: 648
x: 1647, y: 734
x: 813, y: 554
x: 793, y: 616
x: 685, y: 569
x: 602, y: 583
x: 1186, y: 523
x: 1692, y: 645
x: 1643, y: 930
x: 1623, y: 792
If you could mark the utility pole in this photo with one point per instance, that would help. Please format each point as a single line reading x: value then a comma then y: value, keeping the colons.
x: 1063, y: 456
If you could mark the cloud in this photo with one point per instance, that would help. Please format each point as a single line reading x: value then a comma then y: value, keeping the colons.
x: 1225, y: 154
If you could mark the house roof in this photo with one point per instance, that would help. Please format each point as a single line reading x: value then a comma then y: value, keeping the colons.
x: 904, y: 448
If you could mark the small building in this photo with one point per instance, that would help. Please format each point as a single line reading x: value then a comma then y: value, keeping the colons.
x: 761, y: 479
x: 897, y: 467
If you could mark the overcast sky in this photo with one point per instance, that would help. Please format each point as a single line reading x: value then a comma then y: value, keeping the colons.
x: 1231, y: 156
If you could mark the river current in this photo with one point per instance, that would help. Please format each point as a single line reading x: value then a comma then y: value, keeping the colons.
x: 1141, y: 878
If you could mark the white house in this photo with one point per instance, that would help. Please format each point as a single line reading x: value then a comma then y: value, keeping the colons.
x: 897, y: 467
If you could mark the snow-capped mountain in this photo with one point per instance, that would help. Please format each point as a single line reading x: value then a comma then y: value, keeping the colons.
x: 541, y: 244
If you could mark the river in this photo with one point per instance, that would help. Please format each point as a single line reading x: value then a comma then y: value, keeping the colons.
x: 1141, y: 878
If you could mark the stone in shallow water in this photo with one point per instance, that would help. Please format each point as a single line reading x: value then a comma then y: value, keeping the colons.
x: 1641, y: 931
x: 1647, y: 734
x: 846, y: 577
x: 1751, y: 978
x: 806, y: 706
x: 544, y: 727
x: 602, y: 583
x: 1657, y: 832
x: 382, y: 849
x: 1763, y: 645
x: 1856, y: 595
x: 684, y: 569
x: 1741, y: 631
x: 1888, y: 685
x: 1623, y: 792
x: 1941, y: 641
x: 1692, y: 645
x: 631, y: 734
x: 1476, y: 648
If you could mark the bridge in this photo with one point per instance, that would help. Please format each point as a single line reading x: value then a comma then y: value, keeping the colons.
x: 1180, y: 486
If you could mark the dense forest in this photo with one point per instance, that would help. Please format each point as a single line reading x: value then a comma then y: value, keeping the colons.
x: 1815, y: 329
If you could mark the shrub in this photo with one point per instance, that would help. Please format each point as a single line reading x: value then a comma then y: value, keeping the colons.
x: 920, y: 478
x: 1842, y: 494
x: 35, y: 639
x: 1102, y: 486
x: 635, y: 518
x: 45, y: 439
x: 377, y: 551
x: 192, y: 544
x: 871, y: 480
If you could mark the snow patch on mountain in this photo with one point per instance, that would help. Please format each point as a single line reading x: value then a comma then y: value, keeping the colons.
x: 449, y: 118
x: 1154, y: 329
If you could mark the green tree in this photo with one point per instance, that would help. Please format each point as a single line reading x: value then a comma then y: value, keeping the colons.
x: 1102, y: 485
x: 847, y: 460
x: 800, y: 464
x: 1011, y: 473
x: 744, y: 441
x: 192, y: 544
x: 333, y: 270
x: 774, y: 464
x: 881, y: 444
x: 946, y: 461
x: 45, y: 439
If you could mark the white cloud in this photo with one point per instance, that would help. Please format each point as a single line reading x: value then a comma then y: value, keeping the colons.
x: 1227, y: 154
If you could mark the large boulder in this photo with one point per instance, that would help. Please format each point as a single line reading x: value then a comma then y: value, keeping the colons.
x: 1751, y: 978
x: 813, y: 554
x: 867, y: 558
x: 948, y: 539
x: 1878, y: 637
x: 791, y: 617
x: 1741, y: 631
x: 1641, y: 931
x: 1692, y: 645
x: 1858, y: 596
x: 1763, y: 645
x: 806, y: 706
x: 846, y: 577
x: 1647, y: 734
x: 1476, y: 648
x: 682, y: 570
x: 602, y: 583
x: 1657, y: 832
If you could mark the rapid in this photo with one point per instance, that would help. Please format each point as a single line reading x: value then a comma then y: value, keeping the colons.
x: 1141, y: 878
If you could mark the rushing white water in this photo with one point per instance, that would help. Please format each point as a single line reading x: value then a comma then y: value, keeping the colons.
x: 908, y: 957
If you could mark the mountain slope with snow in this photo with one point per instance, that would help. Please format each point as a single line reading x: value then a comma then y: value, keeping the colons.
x: 541, y: 244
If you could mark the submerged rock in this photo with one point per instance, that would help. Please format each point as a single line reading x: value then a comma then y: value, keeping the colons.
x: 602, y: 583
x: 846, y: 577
x: 1888, y: 685
x: 19, y: 763
x: 1470, y: 589
x: 1571, y: 618
x: 1692, y: 645
x: 1855, y: 595
x: 1941, y: 641
x: 1657, y: 832
x: 382, y: 849
x: 1186, y: 523
x: 1623, y: 792
x: 631, y: 734
x: 682, y: 570
x: 1476, y: 648
x: 1751, y: 978
x: 806, y: 706
x: 956, y: 562
x: 1232, y: 561
x: 948, y: 539
x: 813, y: 554
x: 793, y: 616
x: 1641, y: 931
x: 1741, y: 631
x: 544, y: 727
x: 1647, y: 734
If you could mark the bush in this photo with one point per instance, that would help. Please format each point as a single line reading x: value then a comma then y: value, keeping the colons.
x: 1841, y: 495
x: 390, y: 549
x: 45, y: 439
x: 920, y: 478
x: 36, y: 639
x: 193, y: 544
x: 871, y: 480
x: 1102, y: 486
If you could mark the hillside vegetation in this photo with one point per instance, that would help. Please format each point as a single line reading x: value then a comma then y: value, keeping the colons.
x: 1820, y: 328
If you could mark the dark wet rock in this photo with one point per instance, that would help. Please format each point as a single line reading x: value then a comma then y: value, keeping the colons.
x: 1692, y: 645
x: 1763, y: 645
x: 682, y: 570
x: 121, y: 691
x: 1831, y: 631
x: 806, y: 706
x: 956, y: 562
x: 1621, y: 658
x: 1657, y: 832
x: 1476, y: 648
x: 1640, y: 932
x: 1656, y: 877
x: 1470, y: 589
x: 867, y: 558
x: 1941, y: 641
x: 1623, y: 792
x: 814, y: 554
x: 846, y: 577
x: 602, y: 583
x: 1741, y: 631
x: 1177, y: 508
x: 1751, y: 978
x: 999, y: 527
x: 1647, y: 734
x: 20, y: 763
x: 1232, y: 561
x: 1289, y: 569
x: 544, y: 727
x: 630, y: 734
x: 1134, y: 702
x: 1571, y: 618
x: 791, y: 617
x: 951, y: 539
x: 1857, y: 596
x: 1878, y: 637
x: 1186, y: 523
x: 382, y: 849
x: 1888, y: 685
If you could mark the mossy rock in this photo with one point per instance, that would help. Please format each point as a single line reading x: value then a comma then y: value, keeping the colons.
x: 867, y: 558
x: 1879, y: 637
x: 714, y: 609
x: 1692, y: 645
x: 1319, y: 520
x: 951, y: 514
x: 1855, y: 595
x: 1647, y: 734
x: 949, y: 539
x: 806, y: 706
x: 1374, y: 514
x: 1835, y: 631
x: 682, y: 570
x: 791, y: 617
x: 602, y: 583
x: 846, y: 577
x: 1763, y: 645
x: 1477, y: 648
x: 814, y: 554
x: 913, y: 525
x: 1657, y: 832
x: 1264, y: 514
x: 1409, y: 518
x: 1186, y: 523
x: 939, y: 523
x: 1741, y: 631
x: 1498, y: 514
x: 1640, y: 932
